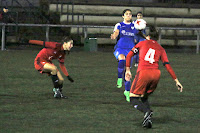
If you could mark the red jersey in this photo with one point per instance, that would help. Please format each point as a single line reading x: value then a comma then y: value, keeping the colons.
x: 52, y: 51
x: 150, y: 52
x: 48, y: 54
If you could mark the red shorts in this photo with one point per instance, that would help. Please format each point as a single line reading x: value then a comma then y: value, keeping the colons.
x: 39, y: 64
x: 145, y: 81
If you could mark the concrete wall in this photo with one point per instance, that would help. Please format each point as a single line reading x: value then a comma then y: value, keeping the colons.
x: 98, y: 9
x: 112, y: 20
x: 91, y: 9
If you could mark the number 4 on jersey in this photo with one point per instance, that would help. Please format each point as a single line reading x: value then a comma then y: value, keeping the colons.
x: 150, y: 56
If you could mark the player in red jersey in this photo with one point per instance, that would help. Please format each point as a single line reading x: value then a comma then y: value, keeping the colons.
x: 148, y: 73
x: 43, y: 62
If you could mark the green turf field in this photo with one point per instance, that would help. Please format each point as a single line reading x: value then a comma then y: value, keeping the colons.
x: 94, y: 104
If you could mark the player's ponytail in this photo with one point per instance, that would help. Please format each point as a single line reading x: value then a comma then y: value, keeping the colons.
x: 153, y: 33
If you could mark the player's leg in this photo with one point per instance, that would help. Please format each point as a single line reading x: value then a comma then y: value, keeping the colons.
x: 127, y: 85
x: 139, y: 105
x: 145, y: 101
x: 137, y: 91
x: 52, y: 69
x: 121, y: 68
x: 60, y: 82
x: 155, y: 77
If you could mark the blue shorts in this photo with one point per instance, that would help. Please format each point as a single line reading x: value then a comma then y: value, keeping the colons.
x: 125, y: 52
x: 119, y: 51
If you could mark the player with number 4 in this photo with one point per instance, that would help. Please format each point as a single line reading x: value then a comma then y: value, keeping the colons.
x: 148, y: 73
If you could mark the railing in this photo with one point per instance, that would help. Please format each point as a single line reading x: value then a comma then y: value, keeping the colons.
x: 70, y: 12
x: 90, y: 26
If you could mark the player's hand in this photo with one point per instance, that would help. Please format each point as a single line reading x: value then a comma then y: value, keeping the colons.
x: 128, y: 76
x: 112, y: 36
x: 70, y: 79
x: 178, y: 84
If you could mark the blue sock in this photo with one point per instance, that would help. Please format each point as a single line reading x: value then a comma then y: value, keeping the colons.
x: 121, y: 68
x: 127, y: 85
x: 136, y: 57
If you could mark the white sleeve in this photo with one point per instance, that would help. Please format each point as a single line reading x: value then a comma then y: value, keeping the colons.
x: 117, y: 26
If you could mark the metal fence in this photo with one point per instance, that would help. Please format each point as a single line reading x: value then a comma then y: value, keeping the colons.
x: 85, y: 33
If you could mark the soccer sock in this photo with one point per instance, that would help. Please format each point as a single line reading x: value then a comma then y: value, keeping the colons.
x: 145, y: 102
x: 121, y: 67
x: 60, y: 87
x: 127, y: 85
x: 137, y: 58
x: 138, y: 104
x: 55, y: 81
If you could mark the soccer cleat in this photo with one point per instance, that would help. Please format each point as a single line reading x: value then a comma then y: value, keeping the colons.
x: 147, y: 119
x: 119, y: 83
x: 58, y: 94
x: 126, y: 94
x: 148, y: 124
x: 62, y: 96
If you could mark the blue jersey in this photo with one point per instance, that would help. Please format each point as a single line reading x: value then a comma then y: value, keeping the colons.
x: 126, y: 35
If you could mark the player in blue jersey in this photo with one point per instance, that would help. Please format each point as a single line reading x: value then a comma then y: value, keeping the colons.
x: 124, y: 32
x: 137, y: 39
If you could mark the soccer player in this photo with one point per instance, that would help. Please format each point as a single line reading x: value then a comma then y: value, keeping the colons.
x: 5, y: 17
x: 148, y: 73
x: 124, y: 32
x: 43, y: 62
x: 137, y: 39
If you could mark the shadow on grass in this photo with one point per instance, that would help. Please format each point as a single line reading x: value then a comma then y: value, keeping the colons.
x: 164, y: 119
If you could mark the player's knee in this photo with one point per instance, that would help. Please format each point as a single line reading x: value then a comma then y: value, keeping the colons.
x: 54, y: 70
x: 61, y: 81
x: 121, y: 57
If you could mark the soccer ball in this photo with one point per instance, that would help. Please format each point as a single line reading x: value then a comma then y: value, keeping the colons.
x: 140, y: 24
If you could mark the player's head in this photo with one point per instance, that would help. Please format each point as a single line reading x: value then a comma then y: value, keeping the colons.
x: 5, y: 9
x: 67, y: 43
x: 127, y: 15
x: 139, y: 15
x: 153, y: 33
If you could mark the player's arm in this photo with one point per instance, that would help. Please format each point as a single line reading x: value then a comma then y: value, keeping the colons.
x: 170, y: 70
x: 64, y: 70
x: 128, y: 74
x: 52, y: 45
x: 37, y: 42
x: 115, y: 32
